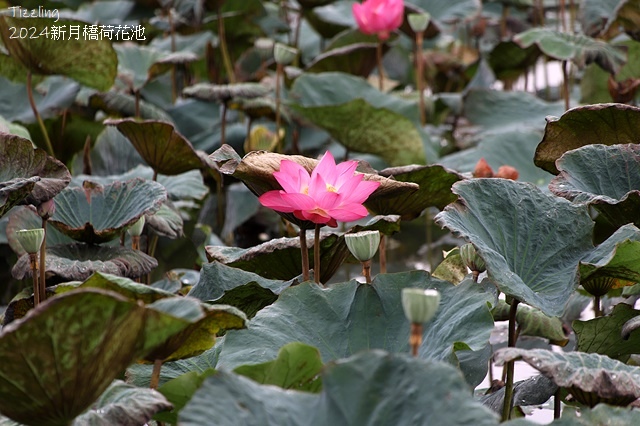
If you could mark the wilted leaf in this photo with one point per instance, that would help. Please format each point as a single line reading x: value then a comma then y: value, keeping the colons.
x: 532, y: 322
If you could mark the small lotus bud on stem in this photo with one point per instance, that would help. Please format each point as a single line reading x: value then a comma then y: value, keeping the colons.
x: 419, y: 307
x: 472, y: 260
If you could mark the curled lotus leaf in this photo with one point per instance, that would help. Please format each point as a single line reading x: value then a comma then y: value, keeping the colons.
x: 590, y: 378
x: 161, y: 145
x: 606, y: 177
x: 97, y: 213
x: 53, y: 366
x: 606, y: 124
x: 78, y: 261
x: 256, y: 171
x: 21, y: 162
x: 223, y: 93
x: 14, y: 191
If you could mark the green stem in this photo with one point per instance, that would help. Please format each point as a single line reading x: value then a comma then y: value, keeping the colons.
x: 32, y: 102
x: 33, y: 260
x: 151, y: 250
x: 155, y: 374
x: 223, y: 125
x: 304, y: 251
x: 366, y: 271
x: 42, y: 285
x: 316, y: 255
x: 565, y: 84
x: 279, y: 72
x: 419, y: 76
x: 557, y: 404
x: 509, y: 366
x: 383, y: 254
x: 223, y: 47
x: 597, y: 309
x: 380, y: 67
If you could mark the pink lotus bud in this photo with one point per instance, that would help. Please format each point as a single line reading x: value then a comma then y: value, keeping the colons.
x: 47, y: 209
x: 379, y: 16
x: 508, y: 172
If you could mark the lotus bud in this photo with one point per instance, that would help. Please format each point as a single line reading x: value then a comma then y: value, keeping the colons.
x: 482, y: 169
x: 135, y: 230
x: 420, y: 305
x: 284, y: 54
x: 31, y: 239
x: 419, y: 21
x: 472, y: 259
x: 262, y: 139
x: 363, y: 245
x: 47, y: 209
x: 263, y: 44
x: 507, y: 172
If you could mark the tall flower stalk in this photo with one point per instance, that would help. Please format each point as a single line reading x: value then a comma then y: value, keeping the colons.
x: 419, y: 23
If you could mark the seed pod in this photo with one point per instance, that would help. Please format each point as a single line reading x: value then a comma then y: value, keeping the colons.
x: 419, y: 21
x: 31, y: 239
x: 420, y: 305
x: 284, y: 54
x: 135, y: 230
x: 363, y: 245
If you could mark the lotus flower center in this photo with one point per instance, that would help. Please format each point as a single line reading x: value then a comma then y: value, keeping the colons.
x: 331, y: 188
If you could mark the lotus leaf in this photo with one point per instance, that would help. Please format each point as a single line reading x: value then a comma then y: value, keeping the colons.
x: 603, y: 335
x: 96, y: 213
x: 607, y: 177
x: 606, y: 124
x: 348, y: 317
x: 90, y: 62
x: 591, y: 378
x: 21, y: 164
x: 577, y: 47
x: 123, y: 404
x: 45, y: 378
x: 79, y: 261
x: 531, y: 242
x: 161, y: 146
x: 123, y: 104
x: 532, y: 322
x: 224, y: 93
x: 404, y: 389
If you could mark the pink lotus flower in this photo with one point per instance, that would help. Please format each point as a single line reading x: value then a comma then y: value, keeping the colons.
x: 379, y: 16
x: 330, y: 194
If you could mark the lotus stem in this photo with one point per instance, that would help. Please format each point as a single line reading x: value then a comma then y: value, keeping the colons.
x: 383, y: 254
x: 380, y: 67
x: 137, y: 104
x: 223, y: 47
x: 503, y: 21
x: 415, y: 338
x: 475, y: 275
x: 562, y: 16
x: 33, y: 261
x: 151, y: 250
x: 429, y: 238
x: 419, y: 77
x: 509, y: 366
x: 556, y: 404
x: 42, y: 285
x: 565, y: 84
x: 32, y: 102
x: 597, y: 307
x: 316, y: 255
x: 174, y: 83
x: 279, y: 76
x: 366, y: 271
x: 135, y: 242
x: 223, y: 125
x: 155, y: 374
x: 304, y: 251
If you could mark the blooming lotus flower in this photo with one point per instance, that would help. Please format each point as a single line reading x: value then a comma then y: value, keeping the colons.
x: 332, y: 193
x: 379, y: 16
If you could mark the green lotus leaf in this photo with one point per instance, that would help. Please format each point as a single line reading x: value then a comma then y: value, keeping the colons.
x: 179, y: 392
x: 591, y: 378
x: 446, y: 11
x: 281, y: 259
x: 595, y: 14
x: 599, y: 415
x: 297, y: 367
x: 331, y: 18
x: 123, y: 404
x: 355, y: 59
x: 535, y: 390
x: 96, y: 213
x: 247, y: 291
x: 161, y: 146
x: 26, y: 217
x: 624, y: 17
x: 606, y: 124
x: 435, y: 190
x: 617, y: 257
x: 13, y: 128
x: 404, y: 389
x: 256, y: 171
x: 348, y: 317
x: 90, y: 62
x: 15, y: 191
x: 603, y: 335
x: 22, y: 164
x: 54, y: 366
x: 59, y: 93
x: 607, y: 177
x: 112, y: 154
x: 532, y: 322
x: 501, y: 112
x: 452, y: 268
x: 195, y: 43
x: 125, y: 287
x: 78, y: 261
x: 531, y: 242
x: 122, y: 104
x: 577, y: 47
x: 262, y: 107
x: 137, y: 65
x: 241, y: 206
x: 509, y: 61
x: 363, y: 121
x: 202, y: 323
